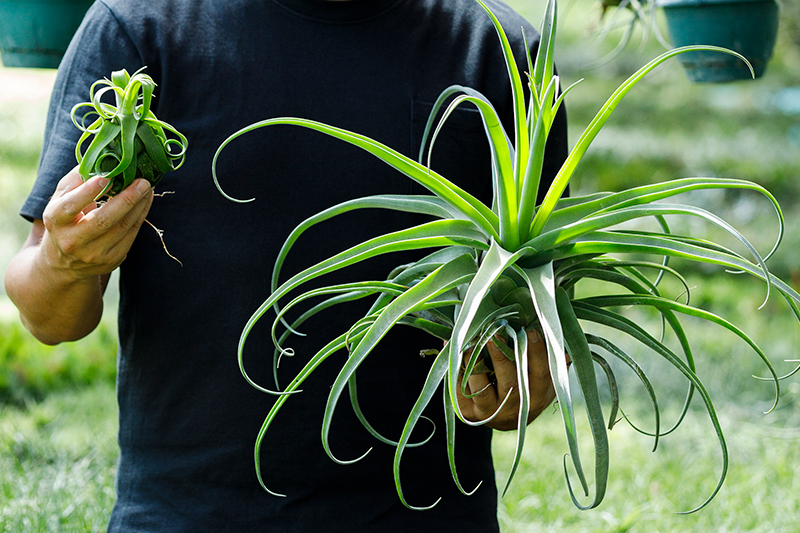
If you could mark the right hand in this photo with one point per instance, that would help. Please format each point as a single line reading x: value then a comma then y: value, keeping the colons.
x: 84, y: 239
x: 491, y: 395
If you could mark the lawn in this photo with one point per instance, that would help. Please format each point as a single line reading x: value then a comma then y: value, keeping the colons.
x: 57, y: 456
x: 648, y: 489
x: 57, y: 461
x: 57, y: 405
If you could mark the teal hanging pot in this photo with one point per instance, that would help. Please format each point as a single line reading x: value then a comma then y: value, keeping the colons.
x: 35, y: 33
x: 746, y: 26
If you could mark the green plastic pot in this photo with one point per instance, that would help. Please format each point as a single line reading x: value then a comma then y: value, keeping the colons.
x: 746, y: 26
x: 36, y: 33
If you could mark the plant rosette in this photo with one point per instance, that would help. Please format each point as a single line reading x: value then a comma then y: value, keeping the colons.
x: 499, y: 269
x: 127, y: 140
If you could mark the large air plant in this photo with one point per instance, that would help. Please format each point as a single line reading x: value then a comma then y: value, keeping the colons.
x: 495, y: 271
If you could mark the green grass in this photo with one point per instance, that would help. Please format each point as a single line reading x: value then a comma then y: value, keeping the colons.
x: 58, y: 454
x: 57, y: 459
x: 647, y: 490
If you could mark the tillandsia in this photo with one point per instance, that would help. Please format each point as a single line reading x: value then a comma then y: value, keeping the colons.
x: 628, y: 15
x: 127, y: 140
x: 501, y: 269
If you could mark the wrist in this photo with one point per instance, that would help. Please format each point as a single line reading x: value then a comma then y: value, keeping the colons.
x: 64, y: 303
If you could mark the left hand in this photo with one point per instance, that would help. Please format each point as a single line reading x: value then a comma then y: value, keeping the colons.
x: 491, y: 395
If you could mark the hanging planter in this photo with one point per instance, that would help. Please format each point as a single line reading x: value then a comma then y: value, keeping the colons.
x: 746, y: 26
x: 36, y: 33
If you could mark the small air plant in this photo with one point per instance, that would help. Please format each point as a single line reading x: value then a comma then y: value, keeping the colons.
x: 514, y: 265
x: 127, y: 140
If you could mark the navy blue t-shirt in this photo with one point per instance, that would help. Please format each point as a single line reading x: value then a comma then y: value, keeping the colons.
x: 188, y: 420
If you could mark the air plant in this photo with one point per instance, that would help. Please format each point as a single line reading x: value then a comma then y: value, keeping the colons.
x: 628, y: 14
x: 127, y: 140
x: 500, y: 270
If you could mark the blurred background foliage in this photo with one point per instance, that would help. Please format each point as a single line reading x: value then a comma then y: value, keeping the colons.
x: 665, y: 128
x: 29, y: 370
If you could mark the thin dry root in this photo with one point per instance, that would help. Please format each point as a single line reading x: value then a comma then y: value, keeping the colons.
x: 160, y: 234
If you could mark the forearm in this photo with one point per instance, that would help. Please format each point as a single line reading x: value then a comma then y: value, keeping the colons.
x: 54, y: 305
x: 57, y: 280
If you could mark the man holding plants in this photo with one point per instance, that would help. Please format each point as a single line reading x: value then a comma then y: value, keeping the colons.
x: 187, y: 418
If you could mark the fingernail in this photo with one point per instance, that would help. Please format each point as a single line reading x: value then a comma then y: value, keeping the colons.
x: 103, y: 182
x: 143, y: 186
x: 534, y: 336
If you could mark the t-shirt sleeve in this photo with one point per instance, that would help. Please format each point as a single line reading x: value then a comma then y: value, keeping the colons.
x: 99, y: 47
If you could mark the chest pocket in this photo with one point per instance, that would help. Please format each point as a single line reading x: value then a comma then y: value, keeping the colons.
x: 461, y: 152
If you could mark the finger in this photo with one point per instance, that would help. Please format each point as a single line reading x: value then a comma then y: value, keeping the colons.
x: 542, y: 391
x: 129, y: 226
x: 504, y: 369
x: 73, y: 197
x: 465, y: 404
x: 538, y: 364
x: 128, y: 203
x: 89, y: 208
x: 71, y: 180
x: 484, y: 396
x: 134, y: 218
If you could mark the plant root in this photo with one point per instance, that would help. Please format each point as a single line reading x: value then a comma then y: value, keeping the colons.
x: 160, y: 234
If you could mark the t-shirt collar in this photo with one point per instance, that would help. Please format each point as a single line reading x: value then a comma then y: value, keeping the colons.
x: 347, y: 12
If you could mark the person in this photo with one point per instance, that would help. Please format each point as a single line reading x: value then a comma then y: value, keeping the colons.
x: 187, y: 418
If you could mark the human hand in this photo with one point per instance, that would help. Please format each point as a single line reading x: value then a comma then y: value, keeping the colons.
x: 491, y: 394
x: 83, y: 239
